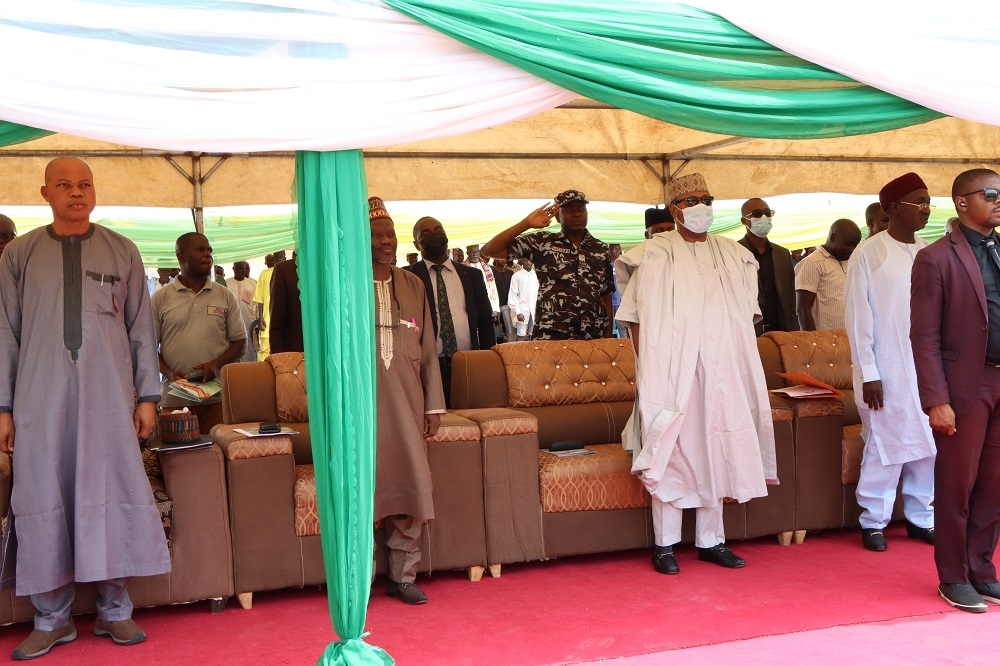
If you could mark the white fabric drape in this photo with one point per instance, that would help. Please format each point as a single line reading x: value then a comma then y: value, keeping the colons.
x: 936, y: 54
x: 254, y: 75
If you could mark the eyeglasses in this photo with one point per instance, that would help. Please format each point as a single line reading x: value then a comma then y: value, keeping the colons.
x: 990, y: 194
x: 694, y: 201
x: 924, y: 207
x: 760, y: 212
x: 8, y: 236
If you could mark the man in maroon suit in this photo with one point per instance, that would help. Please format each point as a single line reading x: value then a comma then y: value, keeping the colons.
x: 955, y: 332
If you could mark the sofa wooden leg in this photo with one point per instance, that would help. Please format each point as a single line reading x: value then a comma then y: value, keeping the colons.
x: 495, y: 570
x: 245, y: 599
x: 216, y: 605
x: 785, y: 538
x: 799, y: 536
x: 476, y: 574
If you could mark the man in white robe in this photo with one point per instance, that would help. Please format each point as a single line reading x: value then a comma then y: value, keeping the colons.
x: 702, y: 431
x: 897, y: 434
x: 523, y: 298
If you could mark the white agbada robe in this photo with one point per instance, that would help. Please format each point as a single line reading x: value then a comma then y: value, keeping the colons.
x: 877, y: 296
x: 523, y: 295
x: 704, y: 429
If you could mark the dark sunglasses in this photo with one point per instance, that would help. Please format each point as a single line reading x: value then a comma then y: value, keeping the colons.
x: 760, y: 212
x: 8, y: 235
x: 694, y: 201
x: 990, y: 194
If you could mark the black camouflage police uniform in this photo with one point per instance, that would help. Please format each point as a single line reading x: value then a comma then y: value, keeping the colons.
x: 572, y: 284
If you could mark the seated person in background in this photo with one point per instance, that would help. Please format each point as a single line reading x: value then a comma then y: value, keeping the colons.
x: 199, y: 329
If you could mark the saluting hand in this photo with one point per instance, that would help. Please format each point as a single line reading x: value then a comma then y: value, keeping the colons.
x: 542, y: 217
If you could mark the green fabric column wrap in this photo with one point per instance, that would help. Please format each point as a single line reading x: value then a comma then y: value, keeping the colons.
x: 338, y: 314
x: 11, y: 133
x: 678, y: 64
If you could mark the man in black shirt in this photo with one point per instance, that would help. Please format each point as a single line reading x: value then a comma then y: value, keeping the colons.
x: 775, y: 277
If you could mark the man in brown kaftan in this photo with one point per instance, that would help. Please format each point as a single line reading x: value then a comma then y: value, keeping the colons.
x: 409, y: 404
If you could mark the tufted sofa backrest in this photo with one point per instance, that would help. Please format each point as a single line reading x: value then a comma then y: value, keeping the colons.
x: 567, y: 372
x: 825, y: 355
x: 290, y: 386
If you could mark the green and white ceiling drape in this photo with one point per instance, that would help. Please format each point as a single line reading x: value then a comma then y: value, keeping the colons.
x: 342, y: 75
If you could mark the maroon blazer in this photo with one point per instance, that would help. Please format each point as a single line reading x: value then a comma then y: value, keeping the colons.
x: 948, y: 323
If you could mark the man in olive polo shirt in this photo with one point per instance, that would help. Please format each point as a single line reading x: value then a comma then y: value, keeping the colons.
x: 199, y: 328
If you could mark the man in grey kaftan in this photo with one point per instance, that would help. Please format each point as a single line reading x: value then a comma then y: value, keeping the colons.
x: 409, y: 402
x: 76, y: 348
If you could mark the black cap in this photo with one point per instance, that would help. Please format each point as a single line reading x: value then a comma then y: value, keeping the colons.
x: 657, y: 216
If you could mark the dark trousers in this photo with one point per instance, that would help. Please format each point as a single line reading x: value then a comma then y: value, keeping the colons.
x: 967, y: 489
x: 446, y: 379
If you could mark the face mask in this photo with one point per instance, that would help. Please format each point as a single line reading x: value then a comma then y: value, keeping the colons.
x: 434, y: 245
x: 698, y: 219
x: 760, y: 226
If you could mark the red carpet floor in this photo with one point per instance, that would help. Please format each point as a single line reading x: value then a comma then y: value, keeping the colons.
x: 563, y: 611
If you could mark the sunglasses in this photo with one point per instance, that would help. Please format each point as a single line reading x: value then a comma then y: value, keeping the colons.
x: 926, y: 207
x: 760, y: 212
x: 694, y: 201
x: 990, y: 194
x: 8, y: 235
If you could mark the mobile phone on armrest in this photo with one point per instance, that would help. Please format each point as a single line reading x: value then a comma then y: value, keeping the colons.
x: 269, y: 429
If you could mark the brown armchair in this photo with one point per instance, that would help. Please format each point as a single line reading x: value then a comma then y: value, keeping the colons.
x: 272, y: 488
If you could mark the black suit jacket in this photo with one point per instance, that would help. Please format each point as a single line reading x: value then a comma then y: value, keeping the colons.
x: 286, y: 309
x: 477, y: 302
x: 784, y: 283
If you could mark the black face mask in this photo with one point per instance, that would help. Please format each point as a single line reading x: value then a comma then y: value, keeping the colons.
x: 435, y: 244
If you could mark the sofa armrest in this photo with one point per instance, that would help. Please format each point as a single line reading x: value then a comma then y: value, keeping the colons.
x: 238, y: 446
x: 510, y: 483
x: 803, y: 408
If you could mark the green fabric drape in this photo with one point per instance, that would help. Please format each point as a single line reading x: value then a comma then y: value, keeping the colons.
x: 671, y: 62
x: 335, y: 278
x: 11, y: 133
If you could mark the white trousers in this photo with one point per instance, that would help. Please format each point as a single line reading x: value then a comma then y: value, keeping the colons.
x: 876, y: 491
x: 667, y: 525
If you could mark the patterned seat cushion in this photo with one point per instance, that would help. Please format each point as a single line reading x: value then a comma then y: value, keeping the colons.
x: 825, y: 355
x: 599, y: 481
x: 306, y: 506
x: 165, y: 505
x: 852, y: 448
x: 567, y: 372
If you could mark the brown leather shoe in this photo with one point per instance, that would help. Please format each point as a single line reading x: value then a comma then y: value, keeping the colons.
x: 38, y: 643
x: 122, y: 632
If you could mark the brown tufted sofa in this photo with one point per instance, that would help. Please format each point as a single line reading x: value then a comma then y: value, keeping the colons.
x: 190, y: 490
x: 828, y: 444
x: 540, y: 506
x: 272, y: 488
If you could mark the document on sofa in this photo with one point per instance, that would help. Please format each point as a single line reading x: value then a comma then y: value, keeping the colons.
x: 807, y: 387
x: 255, y: 432
x: 195, y: 391
x: 569, y: 454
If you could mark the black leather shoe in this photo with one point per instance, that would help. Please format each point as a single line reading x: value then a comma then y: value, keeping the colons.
x: 664, y: 561
x: 722, y: 556
x: 963, y: 597
x: 988, y: 591
x: 874, y: 540
x: 408, y: 593
x: 925, y: 534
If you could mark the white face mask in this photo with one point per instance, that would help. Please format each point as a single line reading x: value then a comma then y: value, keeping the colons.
x: 760, y: 226
x: 698, y: 219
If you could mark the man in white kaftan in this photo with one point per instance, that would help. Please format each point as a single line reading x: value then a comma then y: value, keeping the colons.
x: 897, y: 434
x: 702, y: 431
x: 523, y: 298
